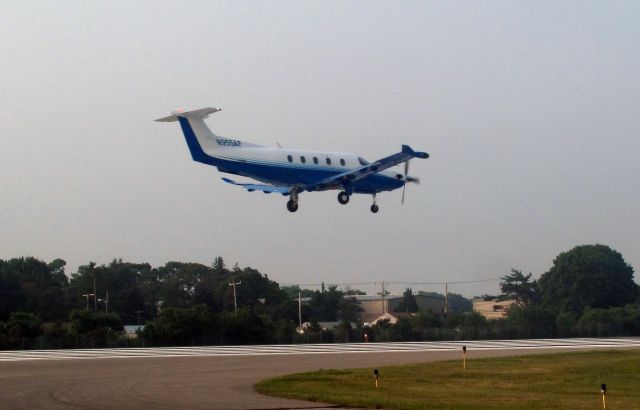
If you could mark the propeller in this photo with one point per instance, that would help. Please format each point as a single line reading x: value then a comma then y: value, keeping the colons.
x: 407, y: 178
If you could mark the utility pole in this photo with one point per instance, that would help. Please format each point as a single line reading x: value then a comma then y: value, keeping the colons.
x: 95, y: 300
x: 87, y: 295
x: 446, y: 299
x: 383, y: 292
x: 300, y: 310
x: 235, y: 301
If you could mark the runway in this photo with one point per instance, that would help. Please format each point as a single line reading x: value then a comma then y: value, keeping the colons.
x: 333, y: 348
x: 219, y: 377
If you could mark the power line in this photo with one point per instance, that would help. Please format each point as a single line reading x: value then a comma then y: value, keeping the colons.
x: 459, y: 282
x: 450, y: 283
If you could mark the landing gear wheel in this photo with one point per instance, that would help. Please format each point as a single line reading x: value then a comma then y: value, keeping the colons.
x: 374, y: 208
x: 292, y: 205
x: 343, y: 197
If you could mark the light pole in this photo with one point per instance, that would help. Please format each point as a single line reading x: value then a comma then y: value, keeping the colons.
x: 235, y: 301
x: 87, y: 295
x: 106, y: 303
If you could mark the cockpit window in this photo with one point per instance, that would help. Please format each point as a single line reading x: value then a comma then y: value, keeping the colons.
x: 363, y: 161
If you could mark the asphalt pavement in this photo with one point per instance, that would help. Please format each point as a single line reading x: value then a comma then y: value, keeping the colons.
x: 218, y: 381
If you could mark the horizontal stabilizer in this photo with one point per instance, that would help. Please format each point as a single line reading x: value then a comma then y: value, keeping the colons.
x: 201, y: 113
x: 267, y: 189
x: 407, y: 150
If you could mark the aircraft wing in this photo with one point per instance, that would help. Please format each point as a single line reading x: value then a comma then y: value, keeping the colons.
x: 355, y: 174
x: 267, y: 189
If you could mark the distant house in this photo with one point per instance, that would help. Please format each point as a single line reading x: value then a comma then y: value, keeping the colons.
x: 130, y: 331
x: 385, y: 316
x: 492, y: 309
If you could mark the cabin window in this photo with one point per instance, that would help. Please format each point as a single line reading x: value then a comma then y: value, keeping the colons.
x: 363, y: 161
x: 328, y: 161
x: 342, y: 162
x: 289, y: 158
x: 303, y: 159
x: 315, y: 160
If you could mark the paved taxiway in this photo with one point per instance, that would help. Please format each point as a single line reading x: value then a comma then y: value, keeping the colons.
x: 217, y: 377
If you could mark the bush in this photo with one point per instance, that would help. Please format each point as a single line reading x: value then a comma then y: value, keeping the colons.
x: 22, y: 324
x: 97, y: 325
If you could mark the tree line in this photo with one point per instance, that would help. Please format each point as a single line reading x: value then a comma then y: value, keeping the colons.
x: 589, y: 291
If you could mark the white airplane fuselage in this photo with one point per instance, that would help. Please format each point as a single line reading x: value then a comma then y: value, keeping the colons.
x: 290, y: 171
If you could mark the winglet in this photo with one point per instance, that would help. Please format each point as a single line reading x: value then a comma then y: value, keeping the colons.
x: 407, y: 150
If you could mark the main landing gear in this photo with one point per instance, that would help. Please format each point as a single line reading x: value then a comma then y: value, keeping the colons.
x: 343, y: 198
x: 292, y: 203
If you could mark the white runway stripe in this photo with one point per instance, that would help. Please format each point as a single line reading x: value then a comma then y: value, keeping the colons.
x: 76, y: 354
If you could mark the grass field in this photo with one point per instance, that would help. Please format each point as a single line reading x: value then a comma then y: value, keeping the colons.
x: 549, y: 381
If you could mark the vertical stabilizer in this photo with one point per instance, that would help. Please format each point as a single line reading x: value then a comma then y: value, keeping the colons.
x: 199, y: 137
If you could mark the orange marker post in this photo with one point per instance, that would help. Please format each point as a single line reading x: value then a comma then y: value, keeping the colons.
x: 464, y: 357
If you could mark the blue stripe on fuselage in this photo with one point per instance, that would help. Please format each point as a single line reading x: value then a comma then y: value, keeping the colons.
x: 281, y: 175
x: 285, y: 175
x: 194, y: 146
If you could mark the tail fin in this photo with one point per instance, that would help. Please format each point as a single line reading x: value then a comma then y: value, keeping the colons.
x: 199, y: 137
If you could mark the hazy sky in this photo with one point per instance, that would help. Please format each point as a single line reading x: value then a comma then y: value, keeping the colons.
x: 530, y: 111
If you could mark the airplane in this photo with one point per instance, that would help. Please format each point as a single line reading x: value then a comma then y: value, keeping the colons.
x: 291, y: 171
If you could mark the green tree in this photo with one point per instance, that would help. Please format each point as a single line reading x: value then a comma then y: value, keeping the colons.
x: 181, y: 323
x: 408, y: 303
x: 349, y: 309
x: 532, y: 321
x: 23, y: 324
x: 31, y: 285
x: 292, y: 291
x: 325, y: 304
x: 97, y: 325
x: 519, y: 287
x: 587, y: 276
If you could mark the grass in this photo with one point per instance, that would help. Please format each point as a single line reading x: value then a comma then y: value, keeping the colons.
x: 549, y: 381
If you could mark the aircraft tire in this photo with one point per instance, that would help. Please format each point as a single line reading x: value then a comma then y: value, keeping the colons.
x: 374, y: 208
x: 343, y: 197
x: 292, y: 205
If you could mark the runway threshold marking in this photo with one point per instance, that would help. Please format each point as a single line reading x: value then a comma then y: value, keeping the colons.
x: 264, y: 350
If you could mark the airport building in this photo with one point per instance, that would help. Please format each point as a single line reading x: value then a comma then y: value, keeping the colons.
x: 492, y: 309
x: 374, y: 306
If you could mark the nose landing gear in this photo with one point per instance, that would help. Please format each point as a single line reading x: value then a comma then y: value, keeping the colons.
x: 374, y: 206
